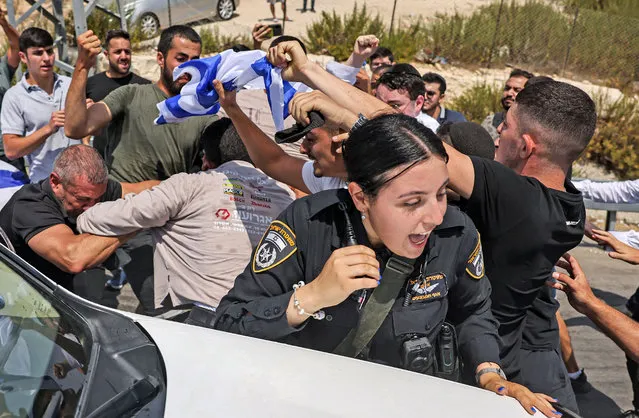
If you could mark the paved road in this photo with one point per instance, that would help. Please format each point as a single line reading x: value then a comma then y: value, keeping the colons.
x: 613, y: 281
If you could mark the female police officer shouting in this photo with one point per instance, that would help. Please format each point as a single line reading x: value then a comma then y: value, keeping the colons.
x: 419, y: 263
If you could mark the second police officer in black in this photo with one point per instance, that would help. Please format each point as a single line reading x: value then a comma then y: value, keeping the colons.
x: 309, y: 284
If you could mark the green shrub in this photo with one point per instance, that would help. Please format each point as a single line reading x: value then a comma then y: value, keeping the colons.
x: 615, y: 144
x: 478, y: 101
x: 536, y: 35
x: 335, y: 35
x: 213, y: 42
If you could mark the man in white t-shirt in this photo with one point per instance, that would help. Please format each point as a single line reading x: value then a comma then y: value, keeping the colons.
x: 324, y: 171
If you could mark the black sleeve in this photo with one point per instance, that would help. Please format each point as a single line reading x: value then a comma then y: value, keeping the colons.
x: 470, y: 312
x: 113, y: 191
x: 500, y: 199
x: 30, y: 217
x: 256, y: 305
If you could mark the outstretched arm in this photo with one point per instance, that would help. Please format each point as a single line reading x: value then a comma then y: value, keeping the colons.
x: 264, y: 152
x: 617, y: 326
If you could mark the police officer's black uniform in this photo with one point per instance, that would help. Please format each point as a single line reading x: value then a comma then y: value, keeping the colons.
x: 448, y: 283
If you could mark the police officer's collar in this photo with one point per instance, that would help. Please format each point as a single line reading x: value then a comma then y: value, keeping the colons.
x: 453, y: 218
x: 326, y: 199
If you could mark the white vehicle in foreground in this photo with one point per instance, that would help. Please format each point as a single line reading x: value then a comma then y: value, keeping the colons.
x: 62, y: 356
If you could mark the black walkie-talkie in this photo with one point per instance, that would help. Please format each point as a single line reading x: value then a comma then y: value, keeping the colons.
x: 350, y: 241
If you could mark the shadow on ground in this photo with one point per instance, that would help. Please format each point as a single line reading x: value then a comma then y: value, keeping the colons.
x: 596, y: 404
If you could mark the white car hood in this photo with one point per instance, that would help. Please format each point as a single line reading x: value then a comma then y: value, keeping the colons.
x: 213, y: 373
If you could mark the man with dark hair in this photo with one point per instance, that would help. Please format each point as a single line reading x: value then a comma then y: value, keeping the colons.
x: 40, y: 217
x: 205, y: 225
x: 515, y: 83
x: 527, y: 193
x: 404, y: 92
x: 8, y: 64
x: 381, y: 56
x: 33, y: 110
x: 435, y: 86
x: 138, y: 149
x: 117, y: 50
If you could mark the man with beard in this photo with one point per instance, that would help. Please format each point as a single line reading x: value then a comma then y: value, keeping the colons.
x: 138, y: 149
x: 117, y: 50
x: 118, y: 53
x: 515, y: 83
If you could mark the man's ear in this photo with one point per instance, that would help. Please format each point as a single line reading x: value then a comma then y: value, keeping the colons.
x: 442, y: 97
x: 419, y: 102
x: 23, y: 57
x: 529, y: 146
x: 56, y: 182
x: 360, y: 200
x: 160, y: 59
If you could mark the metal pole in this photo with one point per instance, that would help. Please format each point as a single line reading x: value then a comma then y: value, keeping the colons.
x: 390, y: 32
x: 492, y: 48
x: 572, y: 35
x: 123, y: 23
x: 168, y: 2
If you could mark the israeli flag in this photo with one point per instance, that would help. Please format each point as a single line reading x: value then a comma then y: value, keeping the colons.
x: 235, y: 70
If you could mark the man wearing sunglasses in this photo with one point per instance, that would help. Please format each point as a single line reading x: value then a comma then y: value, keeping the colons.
x: 435, y: 86
x: 404, y: 92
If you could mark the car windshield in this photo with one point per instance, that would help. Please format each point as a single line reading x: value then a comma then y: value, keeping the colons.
x: 42, y: 358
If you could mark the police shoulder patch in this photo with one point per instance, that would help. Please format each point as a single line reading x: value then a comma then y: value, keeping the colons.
x: 276, y: 246
x: 475, y: 264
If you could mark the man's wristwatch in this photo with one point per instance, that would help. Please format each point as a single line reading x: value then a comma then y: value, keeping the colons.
x: 360, y: 121
x: 482, y: 372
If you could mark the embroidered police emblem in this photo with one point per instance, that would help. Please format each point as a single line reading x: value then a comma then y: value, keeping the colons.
x: 427, y: 288
x: 276, y: 246
x: 475, y: 264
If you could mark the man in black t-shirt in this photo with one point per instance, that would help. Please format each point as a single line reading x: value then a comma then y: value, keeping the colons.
x: 118, y: 53
x: 40, y: 217
x: 529, y: 214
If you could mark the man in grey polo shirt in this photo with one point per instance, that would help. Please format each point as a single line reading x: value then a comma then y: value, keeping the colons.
x: 33, y: 110
x: 8, y: 64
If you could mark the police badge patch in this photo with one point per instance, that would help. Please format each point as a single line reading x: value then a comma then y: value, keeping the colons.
x: 276, y: 246
x: 475, y: 264
x: 427, y: 288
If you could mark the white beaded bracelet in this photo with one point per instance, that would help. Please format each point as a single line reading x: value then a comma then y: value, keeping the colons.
x: 319, y: 315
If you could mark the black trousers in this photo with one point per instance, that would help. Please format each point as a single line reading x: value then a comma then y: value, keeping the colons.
x: 139, y: 271
x: 312, y: 4
x: 545, y: 372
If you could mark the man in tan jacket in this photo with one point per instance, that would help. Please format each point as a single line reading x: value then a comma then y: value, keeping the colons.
x: 205, y: 225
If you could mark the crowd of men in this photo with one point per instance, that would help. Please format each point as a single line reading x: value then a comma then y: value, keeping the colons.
x: 110, y: 191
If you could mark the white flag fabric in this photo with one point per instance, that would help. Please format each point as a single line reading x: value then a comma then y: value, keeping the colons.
x: 235, y: 70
